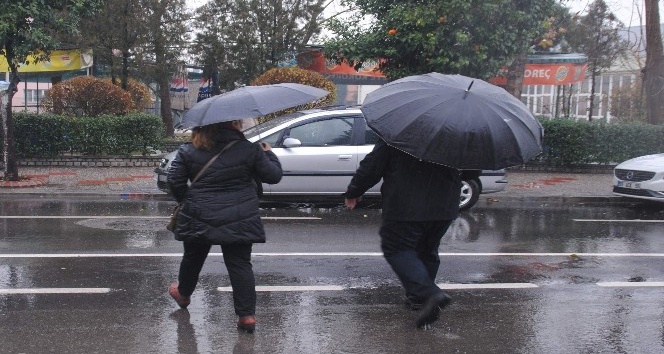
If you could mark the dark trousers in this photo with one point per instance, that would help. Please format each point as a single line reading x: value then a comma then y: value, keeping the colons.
x: 240, y: 271
x: 411, y: 249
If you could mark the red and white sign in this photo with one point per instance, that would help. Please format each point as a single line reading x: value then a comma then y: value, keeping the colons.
x: 549, y: 74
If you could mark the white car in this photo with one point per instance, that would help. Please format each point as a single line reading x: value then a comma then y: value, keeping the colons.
x: 321, y: 149
x: 641, y: 177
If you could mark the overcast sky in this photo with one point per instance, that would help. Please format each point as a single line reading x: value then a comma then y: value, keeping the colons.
x: 629, y: 12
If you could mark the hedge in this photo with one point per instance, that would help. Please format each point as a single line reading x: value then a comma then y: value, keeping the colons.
x: 49, y: 135
x: 567, y: 142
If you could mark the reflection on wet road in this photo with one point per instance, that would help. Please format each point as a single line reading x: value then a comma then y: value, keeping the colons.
x: 524, y: 279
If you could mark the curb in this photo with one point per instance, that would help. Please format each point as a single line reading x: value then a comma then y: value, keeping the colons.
x: 86, y: 195
x: 26, y: 182
x: 43, y: 180
x: 558, y: 200
x: 565, y: 198
x: 488, y: 201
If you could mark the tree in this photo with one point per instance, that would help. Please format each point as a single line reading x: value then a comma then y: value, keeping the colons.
x: 87, y: 96
x: 143, y: 39
x: 164, y: 41
x: 597, y: 35
x: 654, y: 70
x: 473, y: 38
x: 139, y: 92
x: 237, y: 40
x: 299, y: 76
x: 113, y: 33
x: 555, y: 27
x: 30, y: 28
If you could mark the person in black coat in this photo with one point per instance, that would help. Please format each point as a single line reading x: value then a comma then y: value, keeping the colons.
x: 420, y: 200
x: 221, y: 208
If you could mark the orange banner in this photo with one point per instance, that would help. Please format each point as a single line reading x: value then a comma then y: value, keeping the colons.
x: 549, y: 74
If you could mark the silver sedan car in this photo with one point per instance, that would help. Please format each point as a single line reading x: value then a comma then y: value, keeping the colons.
x: 321, y: 149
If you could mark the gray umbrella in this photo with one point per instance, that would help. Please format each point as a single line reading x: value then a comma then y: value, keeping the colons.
x: 250, y: 102
x: 454, y: 120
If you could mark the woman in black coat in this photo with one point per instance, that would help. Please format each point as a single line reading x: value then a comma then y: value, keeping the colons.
x: 221, y: 208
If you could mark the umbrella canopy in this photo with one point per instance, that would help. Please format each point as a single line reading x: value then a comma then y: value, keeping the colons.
x: 454, y: 120
x: 250, y: 102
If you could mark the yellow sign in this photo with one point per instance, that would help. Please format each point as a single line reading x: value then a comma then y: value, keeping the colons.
x: 61, y: 60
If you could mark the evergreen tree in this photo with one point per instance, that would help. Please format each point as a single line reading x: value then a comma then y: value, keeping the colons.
x: 596, y: 34
x: 471, y: 37
x: 237, y: 40
x: 33, y: 28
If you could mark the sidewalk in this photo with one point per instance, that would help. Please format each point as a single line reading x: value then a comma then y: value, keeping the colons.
x: 139, y: 181
x: 555, y: 187
x: 123, y: 181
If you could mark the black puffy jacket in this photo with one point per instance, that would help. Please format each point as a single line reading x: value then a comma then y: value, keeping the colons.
x: 223, y: 203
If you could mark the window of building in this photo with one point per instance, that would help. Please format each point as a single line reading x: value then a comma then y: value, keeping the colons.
x: 34, y: 96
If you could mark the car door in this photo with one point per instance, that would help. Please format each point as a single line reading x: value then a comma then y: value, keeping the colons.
x: 325, y: 161
x: 370, y: 139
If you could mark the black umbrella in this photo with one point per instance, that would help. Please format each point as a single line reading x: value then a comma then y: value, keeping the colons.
x: 250, y: 102
x: 454, y: 120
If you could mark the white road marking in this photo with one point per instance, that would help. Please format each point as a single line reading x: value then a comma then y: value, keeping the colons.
x: 264, y: 218
x: 618, y: 220
x: 81, y: 217
x: 29, y: 291
x: 631, y: 284
x: 283, y: 288
x: 290, y: 218
x: 444, y: 286
x: 450, y: 286
x: 571, y: 254
x: 325, y: 254
x: 91, y: 255
x: 310, y: 288
x: 136, y: 217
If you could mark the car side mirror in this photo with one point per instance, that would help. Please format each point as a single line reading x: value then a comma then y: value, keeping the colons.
x: 291, y: 142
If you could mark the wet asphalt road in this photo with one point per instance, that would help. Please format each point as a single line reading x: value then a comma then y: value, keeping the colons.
x: 525, y: 278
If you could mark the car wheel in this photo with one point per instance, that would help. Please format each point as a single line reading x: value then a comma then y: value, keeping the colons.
x: 470, y: 193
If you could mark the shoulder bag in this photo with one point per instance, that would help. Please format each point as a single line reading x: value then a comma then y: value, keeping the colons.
x: 170, y: 226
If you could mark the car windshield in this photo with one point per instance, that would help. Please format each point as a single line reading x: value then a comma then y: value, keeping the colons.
x: 263, y: 127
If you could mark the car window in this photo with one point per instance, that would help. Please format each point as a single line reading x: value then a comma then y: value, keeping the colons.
x: 265, y: 126
x: 272, y: 139
x: 370, y: 137
x: 329, y: 132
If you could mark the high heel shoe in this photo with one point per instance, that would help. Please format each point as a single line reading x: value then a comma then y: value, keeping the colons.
x: 247, y: 324
x: 182, y: 301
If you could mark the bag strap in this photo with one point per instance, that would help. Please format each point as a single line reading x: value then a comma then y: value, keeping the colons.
x: 200, y: 173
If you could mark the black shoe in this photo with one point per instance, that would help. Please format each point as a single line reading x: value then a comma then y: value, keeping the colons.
x: 413, y: 305
x: 431, y: 309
